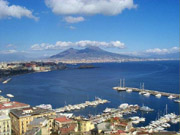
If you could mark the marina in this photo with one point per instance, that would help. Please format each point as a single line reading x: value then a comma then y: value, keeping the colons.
x: 147, y: 93
x: 122, y: 110
x: 69, y: 108
x: 162, y: 123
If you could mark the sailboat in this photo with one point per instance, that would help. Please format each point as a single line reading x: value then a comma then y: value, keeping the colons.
x: 122, y: 88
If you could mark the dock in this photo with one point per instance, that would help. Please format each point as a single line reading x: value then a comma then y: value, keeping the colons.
x: 70, y: 108
x: 152, y: 92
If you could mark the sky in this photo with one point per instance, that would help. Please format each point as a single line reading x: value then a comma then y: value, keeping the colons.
x: 46, y: 27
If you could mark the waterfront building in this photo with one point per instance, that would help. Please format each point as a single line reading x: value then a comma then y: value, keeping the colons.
x: 7, y: 106
x: 20, y: 118
x: 65, y: 126
x: 39, y: 126
x: 3, y: 99
x: 5, y: 125
x: 85, y: 125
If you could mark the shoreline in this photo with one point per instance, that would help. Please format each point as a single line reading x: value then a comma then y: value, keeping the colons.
x: 6, y: 77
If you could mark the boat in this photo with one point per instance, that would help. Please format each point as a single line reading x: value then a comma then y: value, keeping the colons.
x: 6, y: 81
x: 10, y: 95
x: 177, y: 101
x: 122, y: 88
x: 129, y: 90
x: 147, y: 94
x: 107, y: 110
x: 68, y: 115
x: 45, y: 106
x: 146, y: 109
x: 158, y: 95
x: 141, y: 93
x: 0, y: 91
x: 171, y: 97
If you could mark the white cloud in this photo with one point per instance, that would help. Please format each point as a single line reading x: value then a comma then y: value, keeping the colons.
x: 89, y: 7
x: 14, y: 11
x: 72, y: 27
x: 163, y: 51
x: 71, y: 19
x: 82, y: 43
x: 8, y: 51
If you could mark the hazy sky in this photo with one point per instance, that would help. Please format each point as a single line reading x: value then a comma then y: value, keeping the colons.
x: 49, y: 26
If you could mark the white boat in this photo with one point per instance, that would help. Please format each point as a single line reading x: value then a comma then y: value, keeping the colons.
x: 68, y: 115
x: 171, y: 97
x: 158, y: 95
x: 0, y: 91
x: 10, y: 95
x: 45, y: 106
x: 121, y: 88
x: 147, y: 94
x: 177, y: 101
x: 6, y: 81
x: 129, y: 90
x: 107, y: 110
x: 146, y: 109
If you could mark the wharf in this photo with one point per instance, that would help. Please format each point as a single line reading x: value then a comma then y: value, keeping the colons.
x: 152, y: 92
x: 70, y: 108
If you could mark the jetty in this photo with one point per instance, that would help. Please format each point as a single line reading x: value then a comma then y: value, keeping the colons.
x: 144, y: 91
x: 70, y: 108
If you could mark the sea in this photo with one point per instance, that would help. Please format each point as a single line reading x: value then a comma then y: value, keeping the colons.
x: 73, y: 86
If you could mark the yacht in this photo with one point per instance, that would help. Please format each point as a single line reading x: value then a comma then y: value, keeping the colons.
x: 147, y: 94
x: 146, y: 109
x: 107, y: 110
x: 129, y: 90
x: 6, y: 81
x: 177, y: 101
x: 10, y: 95
x: 171, y: 97
x: 158, y: 95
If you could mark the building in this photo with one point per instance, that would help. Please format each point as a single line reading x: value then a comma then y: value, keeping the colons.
x: 85, y: 125
x: 3, y: 99
x: 21, y: 118
x: 64, y: 126
x: 7, y: 106
x: 5, y: 125
x: 39, y: 126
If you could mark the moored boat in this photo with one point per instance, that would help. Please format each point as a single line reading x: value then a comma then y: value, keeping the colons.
x: 10, y: 95
x: 158, y: 95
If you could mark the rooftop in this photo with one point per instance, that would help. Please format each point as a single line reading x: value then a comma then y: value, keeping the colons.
x: 12, y: 105
x: 4, y: 117
x: 29, y: 111
x: 33, y: 131
x: 38, y: 121
x: 63, y: 119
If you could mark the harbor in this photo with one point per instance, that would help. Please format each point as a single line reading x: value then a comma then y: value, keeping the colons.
x: 69, y: 108
x: 145, y: 92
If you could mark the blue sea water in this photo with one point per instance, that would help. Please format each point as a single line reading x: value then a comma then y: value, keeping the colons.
x: 73, y: 86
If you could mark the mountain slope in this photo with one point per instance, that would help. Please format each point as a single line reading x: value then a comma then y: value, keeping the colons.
x: 90, y: 53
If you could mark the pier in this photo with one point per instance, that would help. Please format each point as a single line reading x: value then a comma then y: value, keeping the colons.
x: 143, y: 91
x: 70, y: 108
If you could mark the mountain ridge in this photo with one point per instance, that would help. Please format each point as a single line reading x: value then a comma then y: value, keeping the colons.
x: 88, y: 53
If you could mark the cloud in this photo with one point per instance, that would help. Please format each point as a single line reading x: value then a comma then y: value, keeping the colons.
x: 82, y: 43
x: 71, y: 19
x: 89, y: 7
x: 163, y: 51
x: 72, y: 27
x: 16, y: 11
x: 8, y: 51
